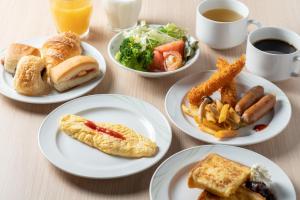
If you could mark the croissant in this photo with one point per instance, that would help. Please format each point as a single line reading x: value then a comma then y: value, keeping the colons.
x: 28, y: 79
x: 59, y: 48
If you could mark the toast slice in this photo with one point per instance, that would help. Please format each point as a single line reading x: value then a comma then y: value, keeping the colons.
x: 241, y: 194
x: 218, y: 175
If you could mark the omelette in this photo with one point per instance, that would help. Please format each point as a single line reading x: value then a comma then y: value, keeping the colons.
x: 113, y: 139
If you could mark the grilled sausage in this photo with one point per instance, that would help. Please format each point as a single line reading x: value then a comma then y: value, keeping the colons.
x: 251, y: 96
x: 259, y: 109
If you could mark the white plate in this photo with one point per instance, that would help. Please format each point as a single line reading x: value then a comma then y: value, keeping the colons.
x: 6, y: 79
x: 170, y: 179
x: 277, y: 120
x: 114, y: 46
x: 79, y: 159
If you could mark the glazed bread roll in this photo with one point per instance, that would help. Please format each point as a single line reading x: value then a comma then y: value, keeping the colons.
x: 15, y: 52
x: 74, y: 72
x: 28, y: 79
x: 60, y: 47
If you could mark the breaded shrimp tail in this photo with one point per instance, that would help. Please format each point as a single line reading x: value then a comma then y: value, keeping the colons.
x: 216, y: 81
x: 229, y: 91
x: 229, y: 94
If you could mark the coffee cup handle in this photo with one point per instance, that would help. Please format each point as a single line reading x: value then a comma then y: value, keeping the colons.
x: 296, y: 72
x: 254, y: 22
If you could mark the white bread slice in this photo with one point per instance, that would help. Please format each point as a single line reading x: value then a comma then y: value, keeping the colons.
x: 66, y: 75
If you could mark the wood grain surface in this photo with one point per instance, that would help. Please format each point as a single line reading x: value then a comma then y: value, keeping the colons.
x: 26, y: 175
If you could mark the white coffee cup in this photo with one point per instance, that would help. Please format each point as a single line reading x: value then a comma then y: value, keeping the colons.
x: 274, y: 67
x: 223, y: 35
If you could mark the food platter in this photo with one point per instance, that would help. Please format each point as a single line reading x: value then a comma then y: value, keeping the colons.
x: 80, y: 159
x: 170, y: 179
x: 6, y: 79
x: 276, y: 120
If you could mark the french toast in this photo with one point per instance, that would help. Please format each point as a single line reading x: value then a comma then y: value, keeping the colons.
x: 241, y: 194
x: 218, y: 175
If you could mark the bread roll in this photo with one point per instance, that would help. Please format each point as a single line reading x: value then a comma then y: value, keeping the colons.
x: 59, y: 48
x: 28, y: 79
x: 73, y: 72
x: 15, y: 52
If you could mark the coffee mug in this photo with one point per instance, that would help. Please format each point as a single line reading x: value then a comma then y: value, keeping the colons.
x: 273, y: 66
x: 223, y: 35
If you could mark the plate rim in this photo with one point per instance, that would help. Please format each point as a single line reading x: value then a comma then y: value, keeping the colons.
x: 220, y: 142
x: 151, y: 74
x: 31, y: 99
x: 167, y: 124
x: 214, y: 145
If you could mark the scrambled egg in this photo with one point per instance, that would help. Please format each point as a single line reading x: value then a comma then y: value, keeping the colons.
x: 134, y: 145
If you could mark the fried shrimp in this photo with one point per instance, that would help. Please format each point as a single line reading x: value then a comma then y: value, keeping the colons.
x: 229, y: 91
x: 229, y: 94
x: 219, y: 79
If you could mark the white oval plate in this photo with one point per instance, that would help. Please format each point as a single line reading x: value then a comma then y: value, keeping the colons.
x: 170, y: 179
x: 6, y: 79
x: 114, y: 46
x: 277, y: 120
x: 79, y: 159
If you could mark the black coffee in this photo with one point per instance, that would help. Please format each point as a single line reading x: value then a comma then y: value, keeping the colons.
x: 275, y: 46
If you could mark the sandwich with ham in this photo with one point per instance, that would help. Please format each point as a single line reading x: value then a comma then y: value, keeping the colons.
x: 73, y: 72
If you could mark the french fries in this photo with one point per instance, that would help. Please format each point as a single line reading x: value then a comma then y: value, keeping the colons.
x: 225, y: 133
x: 224, y: 113
x: 210, y: 117
x: 219, y: 105
x: 211, y: 125
x: 219, y: 120
x: 234, y: 116
x: 207, y: 129
x: 191, y: 111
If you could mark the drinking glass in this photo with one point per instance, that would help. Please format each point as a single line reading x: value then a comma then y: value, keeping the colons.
x: 122, y: 14
x: 72, y: 15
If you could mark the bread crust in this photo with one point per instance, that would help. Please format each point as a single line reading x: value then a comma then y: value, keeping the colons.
x: 65, y: 75
x: 218, y: 175
x: 71, y: 67
x: 60, y: 47
x: 28, y: 79
x: 241, y: 194
x: 15, y: 52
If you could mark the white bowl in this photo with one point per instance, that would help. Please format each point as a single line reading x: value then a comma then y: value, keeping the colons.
x: 113, y: 48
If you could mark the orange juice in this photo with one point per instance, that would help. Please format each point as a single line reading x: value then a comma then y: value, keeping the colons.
x: 72, y: 15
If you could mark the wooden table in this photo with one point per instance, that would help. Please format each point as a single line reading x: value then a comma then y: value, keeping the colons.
x: 26, y: 174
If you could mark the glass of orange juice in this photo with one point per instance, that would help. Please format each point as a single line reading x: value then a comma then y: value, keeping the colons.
x: 72, y: 15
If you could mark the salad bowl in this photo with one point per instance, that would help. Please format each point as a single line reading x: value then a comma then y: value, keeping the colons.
x: 117, y: 40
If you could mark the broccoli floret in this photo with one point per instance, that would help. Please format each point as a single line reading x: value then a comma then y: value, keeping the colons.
x: 133, y: 55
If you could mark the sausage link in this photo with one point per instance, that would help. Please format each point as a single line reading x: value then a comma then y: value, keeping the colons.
x: 259, y: 109
x: 251, y: 96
